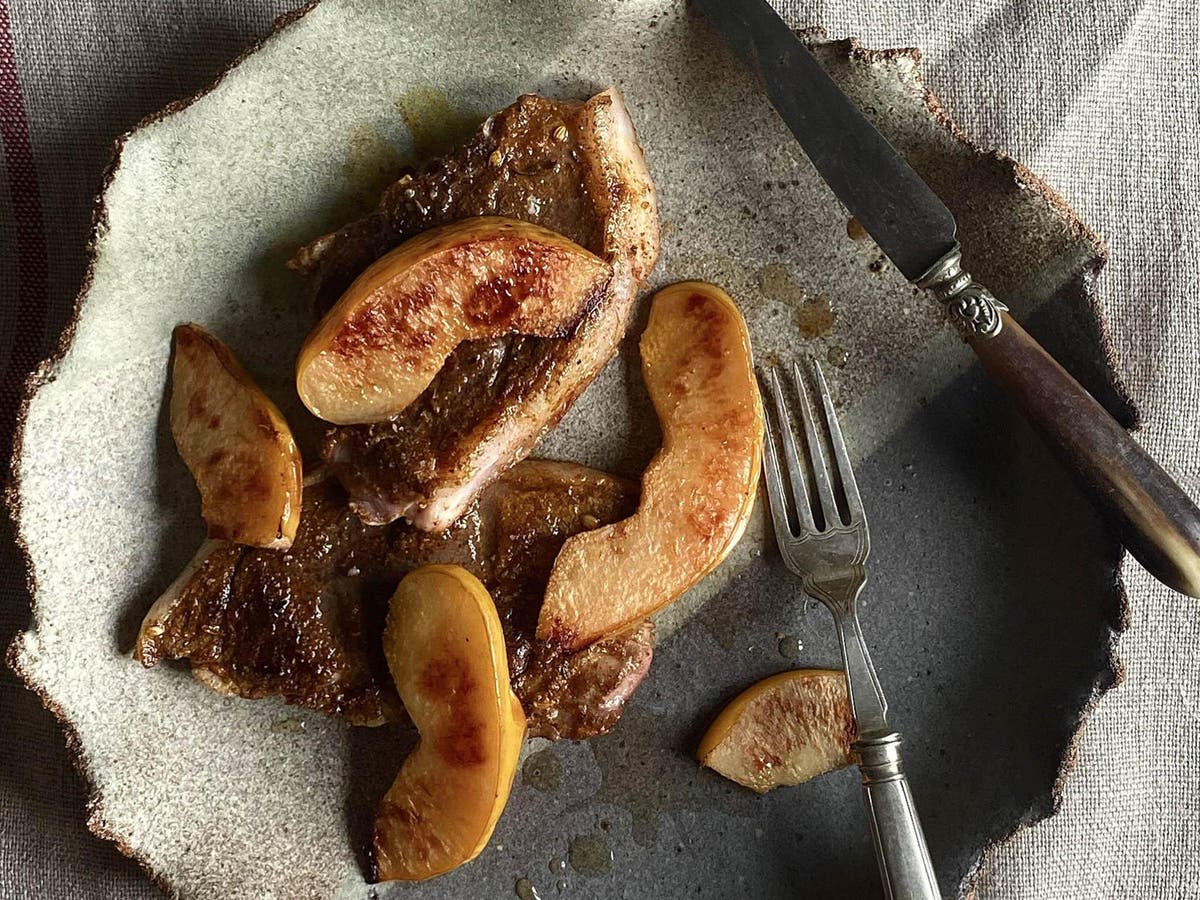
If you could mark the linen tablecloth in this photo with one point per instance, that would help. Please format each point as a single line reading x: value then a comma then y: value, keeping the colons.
x: 1100, y: 98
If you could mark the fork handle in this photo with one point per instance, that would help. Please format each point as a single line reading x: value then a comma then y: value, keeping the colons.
x: 904, y: 864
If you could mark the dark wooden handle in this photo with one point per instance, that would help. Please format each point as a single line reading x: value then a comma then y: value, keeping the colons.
x: 1158, y: 523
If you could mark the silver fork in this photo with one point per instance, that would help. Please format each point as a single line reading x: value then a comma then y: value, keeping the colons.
x: 827, y: 547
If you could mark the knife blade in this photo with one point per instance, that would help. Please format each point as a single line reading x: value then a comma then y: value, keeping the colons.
x: 1157, y: 521
x: 908, y: 221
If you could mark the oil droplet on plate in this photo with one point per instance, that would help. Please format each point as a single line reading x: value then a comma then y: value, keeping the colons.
x: 838, y: 356
x: 561, y: 885
x: 855, y: 230
x: 526, y: 890
x: 815, y: 317
x: 558, y: 864
x: 590, y: 855
x: 775, y: 281
x: 287, y: 726
x: 543, y: 770
x: 790, y: 647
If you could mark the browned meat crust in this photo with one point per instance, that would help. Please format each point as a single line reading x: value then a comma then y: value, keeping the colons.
x: 573, y: 167
x: 306, y: 623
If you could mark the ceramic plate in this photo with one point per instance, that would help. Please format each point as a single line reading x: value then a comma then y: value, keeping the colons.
x: 992, y: 586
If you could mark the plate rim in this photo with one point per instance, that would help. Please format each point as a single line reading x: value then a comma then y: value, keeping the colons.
x: 1109, y: 675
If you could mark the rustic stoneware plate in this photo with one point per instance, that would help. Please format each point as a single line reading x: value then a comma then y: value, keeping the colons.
x: 992, y: 589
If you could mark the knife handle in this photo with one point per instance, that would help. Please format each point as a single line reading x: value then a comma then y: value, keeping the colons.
x: 1157, y: 521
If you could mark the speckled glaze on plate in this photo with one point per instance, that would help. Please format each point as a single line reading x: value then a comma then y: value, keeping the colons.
x: 993, y: 590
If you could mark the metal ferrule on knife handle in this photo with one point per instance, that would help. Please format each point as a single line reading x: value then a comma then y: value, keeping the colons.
x: 972, y: 306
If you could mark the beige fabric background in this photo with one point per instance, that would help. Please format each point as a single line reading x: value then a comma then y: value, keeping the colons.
x: 1100, y: 98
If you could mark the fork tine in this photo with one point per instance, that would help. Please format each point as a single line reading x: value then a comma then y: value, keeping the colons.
x: 786, y: 434
x: 775, y: 490
x: 845, y: 471
x: 816, y: 454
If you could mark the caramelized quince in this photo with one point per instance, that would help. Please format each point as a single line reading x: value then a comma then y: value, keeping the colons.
x: 697, y: 492
x: 236, y: 444
x: 445, y: 649
x: 784, y: 730
x: 383, y: 342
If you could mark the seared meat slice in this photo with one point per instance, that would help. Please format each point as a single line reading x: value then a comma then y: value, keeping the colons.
x: 302, y: 623
x: 306, y: 623
x: 573, y: 167
x: 582, y: 694
x: 532, y: 510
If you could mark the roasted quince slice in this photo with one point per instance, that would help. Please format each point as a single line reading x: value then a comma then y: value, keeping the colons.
x: 382, y: 343
x: 784, y: 730
x: 236, y: 444
x: 698, y: 490
x: 445, y: 648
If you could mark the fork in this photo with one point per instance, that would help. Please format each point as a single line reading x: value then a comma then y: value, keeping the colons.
x: 825, y: 542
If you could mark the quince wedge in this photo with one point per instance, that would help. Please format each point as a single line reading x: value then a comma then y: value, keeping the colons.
x: 783, y: 730
x: 236, y: 443
x: 697, y: 492
x: 445, y: 648
x: 387, y: 337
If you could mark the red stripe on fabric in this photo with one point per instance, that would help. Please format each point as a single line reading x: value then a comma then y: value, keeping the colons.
x: 32, y: 262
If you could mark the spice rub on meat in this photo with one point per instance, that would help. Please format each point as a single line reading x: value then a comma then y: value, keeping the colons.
x: 573, y: 167
x: 306, y: 623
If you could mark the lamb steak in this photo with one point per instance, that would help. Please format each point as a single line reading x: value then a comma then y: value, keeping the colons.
x: 306, y: 623
x: 574, y: 167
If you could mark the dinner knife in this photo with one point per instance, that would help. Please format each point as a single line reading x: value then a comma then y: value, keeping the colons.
x: 1157, y: 522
